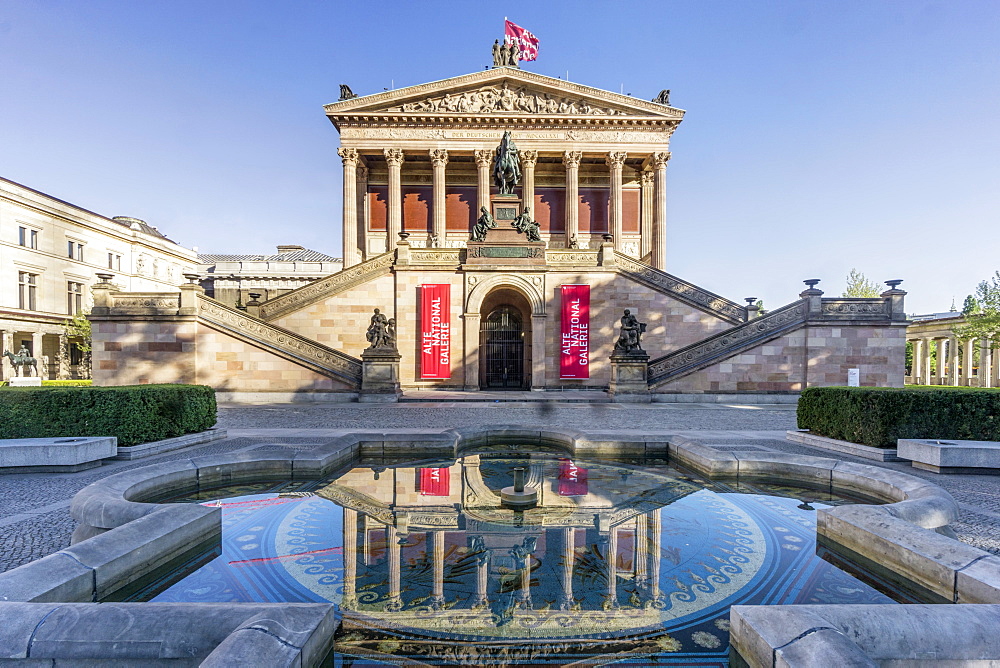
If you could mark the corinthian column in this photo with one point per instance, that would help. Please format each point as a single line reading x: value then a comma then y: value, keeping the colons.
x: 572, y: 161
x: 614, y: 161
x: 349, y: 599
x: 362, y: 188
x: 568, y: 561
x: 394, y: 602
x: 611, y: 599
x: 439, y: 158
x: 659, y: 259
x: 484, y: 158
x: 528, y: 160
x: 437, y: 558
x: 350, y: 158
x: 640, y: 551
x: 394, y: 158
x: 654, y: 554
x: 646, y: 213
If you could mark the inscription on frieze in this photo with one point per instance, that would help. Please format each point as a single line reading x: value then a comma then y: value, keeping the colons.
x: 507, y: 252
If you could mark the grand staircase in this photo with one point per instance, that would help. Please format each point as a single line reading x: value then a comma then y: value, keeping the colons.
x: 327, y: 287
x: 728, y: 343
x: 679, y: 289
x: 280, y: 341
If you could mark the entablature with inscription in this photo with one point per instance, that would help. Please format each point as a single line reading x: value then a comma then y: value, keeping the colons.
x: 500, y: 98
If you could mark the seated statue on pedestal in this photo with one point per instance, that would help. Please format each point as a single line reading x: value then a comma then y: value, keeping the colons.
x: 630, y: 335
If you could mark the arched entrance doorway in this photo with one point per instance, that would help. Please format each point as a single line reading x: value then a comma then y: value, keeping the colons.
x: 505, y: 342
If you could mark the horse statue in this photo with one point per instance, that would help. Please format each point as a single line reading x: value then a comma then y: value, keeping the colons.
x: 506, y: 165
x: 22, y: 363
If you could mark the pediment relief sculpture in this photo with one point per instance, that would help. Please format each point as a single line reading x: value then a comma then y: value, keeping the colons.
x: 504, y: 99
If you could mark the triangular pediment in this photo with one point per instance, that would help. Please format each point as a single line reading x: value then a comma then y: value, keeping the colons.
x: 502, y: 92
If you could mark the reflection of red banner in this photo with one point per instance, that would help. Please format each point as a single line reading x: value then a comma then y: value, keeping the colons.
x: 435, y: 482
x: 572, y: 479
x: 435, y: 331
x: 574, y: 347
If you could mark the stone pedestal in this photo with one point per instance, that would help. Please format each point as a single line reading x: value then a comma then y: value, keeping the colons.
x: 628, y: 378
x: 504, y: 245
x: 380, y: 376
x: 25, y: 381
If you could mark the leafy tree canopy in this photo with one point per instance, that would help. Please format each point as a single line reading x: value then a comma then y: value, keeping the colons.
x: 858, y: 285
x: 984, y: 322
x: 971, y: 306
x: 78, y: 327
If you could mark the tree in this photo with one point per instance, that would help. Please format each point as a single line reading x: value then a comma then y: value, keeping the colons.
x: 971, y: 306
x: 983, y: 323
x: 760, y: 307
x: 78, y: 333
x: 858, y: 285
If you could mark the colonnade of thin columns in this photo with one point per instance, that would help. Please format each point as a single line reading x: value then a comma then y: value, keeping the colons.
x: 646, y: 564
x: 955, y: 362
x: 652, y: 192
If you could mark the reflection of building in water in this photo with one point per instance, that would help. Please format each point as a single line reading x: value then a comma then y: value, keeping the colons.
x: 431, y: 550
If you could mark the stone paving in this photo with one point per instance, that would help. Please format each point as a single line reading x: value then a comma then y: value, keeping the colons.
x: 35, y: 520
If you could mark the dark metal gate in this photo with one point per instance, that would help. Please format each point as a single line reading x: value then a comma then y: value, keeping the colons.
x: 502, y: 345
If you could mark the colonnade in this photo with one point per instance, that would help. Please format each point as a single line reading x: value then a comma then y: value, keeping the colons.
x: 955, y: 362
x: 652, y: 179
x: 646, y: 563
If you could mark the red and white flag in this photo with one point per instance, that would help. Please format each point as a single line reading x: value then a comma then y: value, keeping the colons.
x: 527, y: 42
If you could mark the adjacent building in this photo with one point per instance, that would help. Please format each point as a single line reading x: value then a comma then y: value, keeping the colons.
x: 51, y: 252
x: 234, y: 279
x: 939, y: 356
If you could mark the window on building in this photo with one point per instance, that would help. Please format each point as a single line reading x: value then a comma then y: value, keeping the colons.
x: 27, y: 237
x: 114, y: 261
x: 74, y: 250
x: 74, y: 297
x: 27, y: 291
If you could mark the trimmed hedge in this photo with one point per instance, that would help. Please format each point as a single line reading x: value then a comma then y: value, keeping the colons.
x: 133, y: 413
x: 877, y: 416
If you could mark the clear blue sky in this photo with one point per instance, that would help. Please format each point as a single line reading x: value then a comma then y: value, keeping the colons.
x: 820, y: 136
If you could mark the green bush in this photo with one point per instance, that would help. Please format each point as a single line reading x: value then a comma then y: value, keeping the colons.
x: 877, y: 416
x: 134, y: 413
x: 67, y: 383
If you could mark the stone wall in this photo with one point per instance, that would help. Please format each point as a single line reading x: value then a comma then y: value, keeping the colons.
x: 137, y: 351
x: 340, y: 321
x: 183, y: 350
x: 781, y: 365
x: 230, y: 364
x: 671, y: 324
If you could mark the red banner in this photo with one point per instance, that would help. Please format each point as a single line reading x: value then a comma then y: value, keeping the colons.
x: 572, y: 479
x: 527, y: 42
x: 435, y: 482
x: 435, y: 331
x: 574, y: 346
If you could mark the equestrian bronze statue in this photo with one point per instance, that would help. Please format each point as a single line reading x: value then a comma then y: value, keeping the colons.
x: 22, y: 362
x: 506, y: 165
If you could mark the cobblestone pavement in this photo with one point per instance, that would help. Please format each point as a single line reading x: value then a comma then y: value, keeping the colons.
x: 35, y: 520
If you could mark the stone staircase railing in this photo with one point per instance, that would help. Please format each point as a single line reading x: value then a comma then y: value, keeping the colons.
x: 680, y: 289
x: 728, y: 343
x: 327, y: 287
x: 280, y: 341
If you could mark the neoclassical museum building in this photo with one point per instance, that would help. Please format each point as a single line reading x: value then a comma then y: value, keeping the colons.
x: 502, y: 222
